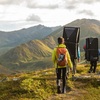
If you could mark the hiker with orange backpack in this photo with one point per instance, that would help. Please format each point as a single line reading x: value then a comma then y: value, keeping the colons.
x: 61, y: 60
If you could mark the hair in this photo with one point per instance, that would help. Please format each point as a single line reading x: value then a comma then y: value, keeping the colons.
x: 60, y: 40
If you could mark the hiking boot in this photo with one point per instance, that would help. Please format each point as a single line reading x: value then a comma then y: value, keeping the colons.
x: 64, y: 90
x: 90, y: 71
x: 93, y: 71
x: 58, y: 90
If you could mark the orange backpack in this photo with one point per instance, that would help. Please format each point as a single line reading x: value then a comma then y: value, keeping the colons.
x: 61, y: 56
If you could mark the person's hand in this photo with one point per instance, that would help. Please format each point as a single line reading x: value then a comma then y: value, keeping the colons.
x: 71, y: 70
x: 78, y: 60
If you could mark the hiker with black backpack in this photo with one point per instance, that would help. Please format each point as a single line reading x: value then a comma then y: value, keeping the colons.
x: 61, y: 60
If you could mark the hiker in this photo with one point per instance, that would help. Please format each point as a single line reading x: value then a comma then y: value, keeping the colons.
x: 61, y: 60
x: 93, y: 64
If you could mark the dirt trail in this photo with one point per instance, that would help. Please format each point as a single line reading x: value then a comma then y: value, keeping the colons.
x: 77, y: 91
x: 70, y: 95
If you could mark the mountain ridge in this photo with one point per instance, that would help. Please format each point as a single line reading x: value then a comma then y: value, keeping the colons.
x: 36, y: 52
x: 12, y: 39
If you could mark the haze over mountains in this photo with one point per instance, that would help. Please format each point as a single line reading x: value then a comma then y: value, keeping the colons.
x: 11, y: 39
x: 36, y: 54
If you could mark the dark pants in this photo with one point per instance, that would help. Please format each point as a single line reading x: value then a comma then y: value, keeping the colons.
x: 61, y: 74
x: 93, y: 66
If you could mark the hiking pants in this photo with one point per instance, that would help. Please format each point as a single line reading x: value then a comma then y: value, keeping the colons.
x: 93, y: 64
x: 61, y: 74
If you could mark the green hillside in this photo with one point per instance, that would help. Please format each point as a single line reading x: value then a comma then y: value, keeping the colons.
x: 41, y: 85
x: 4, y: 70
x: 29, y: 53
x: 12, y: 39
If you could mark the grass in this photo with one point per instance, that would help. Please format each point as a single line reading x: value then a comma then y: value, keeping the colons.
x: 41, y: 85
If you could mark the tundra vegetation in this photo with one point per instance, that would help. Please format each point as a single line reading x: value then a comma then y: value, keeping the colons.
x: 41, y: 85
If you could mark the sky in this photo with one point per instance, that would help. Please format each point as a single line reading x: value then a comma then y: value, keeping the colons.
x: 18, y: 14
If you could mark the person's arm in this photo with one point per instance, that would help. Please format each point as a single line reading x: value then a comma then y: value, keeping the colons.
x: 78, y: 54
x: 54, y: 55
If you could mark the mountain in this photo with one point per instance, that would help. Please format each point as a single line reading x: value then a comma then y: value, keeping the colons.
x: 11, y: 39
x: 36, y: 54
x: 4, y: 70
x: 88, y: 28
x: 30, y: 52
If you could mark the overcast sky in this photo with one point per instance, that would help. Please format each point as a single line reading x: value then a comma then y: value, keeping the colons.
x: 17, y: 14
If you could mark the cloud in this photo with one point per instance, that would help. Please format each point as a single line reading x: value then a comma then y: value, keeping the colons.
x: 86, y: 12
x: 72, y: 4
x: 34, y: 18
x: 42, y: 4
x: 90, y: 1
x: 31, y: 3
x: 51, y: 4
x: 71, y: 7
x: 80, y: 1
x: 10, y: 2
